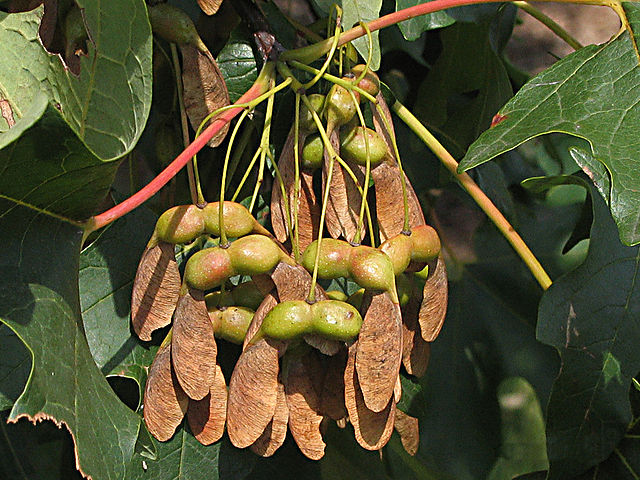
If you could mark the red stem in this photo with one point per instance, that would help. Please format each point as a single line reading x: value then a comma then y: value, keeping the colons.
x: 138, y: 198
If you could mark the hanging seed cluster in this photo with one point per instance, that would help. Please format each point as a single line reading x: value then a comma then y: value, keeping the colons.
x: 309, y: 356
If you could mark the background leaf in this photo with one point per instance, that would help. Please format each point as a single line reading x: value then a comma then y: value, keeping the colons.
x: 589, y: 316
x: 50, y: 178
x: 564, y: 99
x: 238, y: 66
x: 108, y: 103
x: 414, y: 27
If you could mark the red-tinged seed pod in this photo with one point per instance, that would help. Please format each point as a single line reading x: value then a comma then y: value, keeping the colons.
x: 237, y: 219
x: 333, y: 261
x: 370, y: 83
x: 426, y: 244
x: 372, y: 269
x: 180, y: 224
x: 208, y: 268
x: 254, y: 254
x: 399, y: 249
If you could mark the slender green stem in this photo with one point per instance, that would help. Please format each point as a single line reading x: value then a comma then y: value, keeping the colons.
x: 240, y: 149
x: 295, y: 238
x: 253, y: 161
x: 348, y: 84
x: 327, y: 62
x: 223, y: 181
x: 477, y: 194
x: 625, y: 462
x: 549, y: 23
x: 194, y: 184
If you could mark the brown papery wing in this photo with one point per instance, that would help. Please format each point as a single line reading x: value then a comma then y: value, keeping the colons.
x: 434, y: 301
x: 415, y: 350
x: 155, y: 290
x: 388, y: 185
x: 343, y: 206
x: 270, y: 300
x: 207, y: 417
x: 303, y: 400
x: 164, y: 401
x: 193, y: 346
x: 253, y: 393
x: 409, y: 431
x: 379, y: 349
x: 333, y: 387
x: 372, y: 429
x: 274, y: 435
x: 209, y: 7
x: 205, y: 90
x: 286, y: 167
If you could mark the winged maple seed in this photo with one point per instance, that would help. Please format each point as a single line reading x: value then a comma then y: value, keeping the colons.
x: 296, y: 382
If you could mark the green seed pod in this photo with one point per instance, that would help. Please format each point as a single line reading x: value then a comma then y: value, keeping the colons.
x: 354, y: 146
x: 371, y: 269
x: 208, y: 268
x: 426, y: 244
x: 181, y: 224
x: 398, y: 249
x: 312, y: 152
x: 232, y: 323
x: 339, y: 107
x: 370, y: 83
x: 336, y: 295
x: 173, y: 24
x: 254, y: 254
x: 237, y: 219
x: 335, y: 320
x: 288, y: 320
x: 307, y: 124
x: 247, y: 295
x: 333, y: 261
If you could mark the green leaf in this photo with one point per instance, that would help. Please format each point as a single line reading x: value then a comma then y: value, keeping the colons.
x: 523, y: 447
x: 50, y: 178
x: 184, y: 458
x: 414, y: 27
x: 48, y: 169
x: 590, y: 315
x: 106, y: 272
x: 592, y: 94
x: 238, y: 66
x: 458, y: 99
x: 108, y: 103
